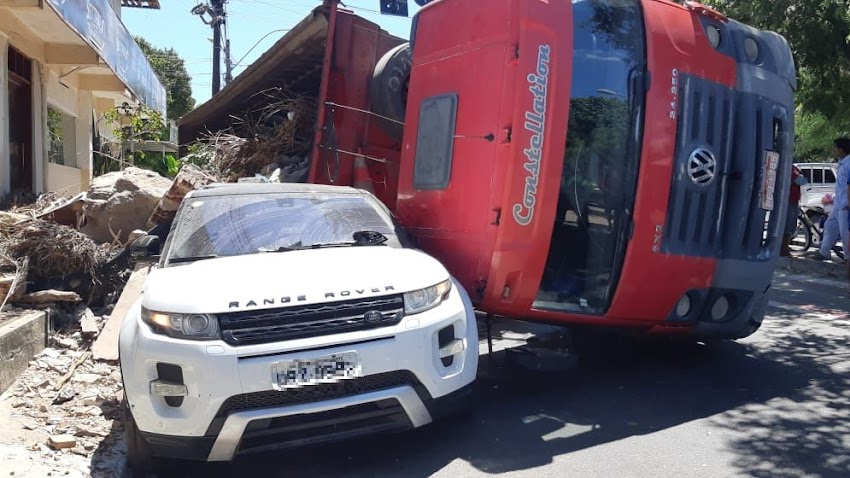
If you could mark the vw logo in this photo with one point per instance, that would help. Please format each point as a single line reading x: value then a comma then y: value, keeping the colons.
x: 373, y: 316
x: 702, y: 167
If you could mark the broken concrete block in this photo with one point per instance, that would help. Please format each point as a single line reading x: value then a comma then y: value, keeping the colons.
x: 122, y: 201
x: 88, y: 323
x: 188, y: 179
x: 60, y: 442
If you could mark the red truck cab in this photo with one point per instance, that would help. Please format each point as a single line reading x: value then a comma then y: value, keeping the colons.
x: 607, y: 163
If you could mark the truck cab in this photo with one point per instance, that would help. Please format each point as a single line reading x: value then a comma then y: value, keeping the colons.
x: 603, y: 163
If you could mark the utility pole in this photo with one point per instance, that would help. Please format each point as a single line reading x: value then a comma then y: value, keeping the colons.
x: 215, y: 10
x: 218, y: 19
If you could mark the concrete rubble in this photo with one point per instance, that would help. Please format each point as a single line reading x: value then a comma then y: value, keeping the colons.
x: 63, y: 415
x: 118, y: 203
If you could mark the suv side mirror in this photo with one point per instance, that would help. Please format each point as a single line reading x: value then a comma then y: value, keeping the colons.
x: 145, y: 248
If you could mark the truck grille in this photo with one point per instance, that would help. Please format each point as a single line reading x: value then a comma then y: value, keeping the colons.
x: 263, y: 326
x: 723, y: 218
x: 751, y: 232
x: 704, y: 138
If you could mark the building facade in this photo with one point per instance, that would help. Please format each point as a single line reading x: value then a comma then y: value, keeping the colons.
x: 63, y: 64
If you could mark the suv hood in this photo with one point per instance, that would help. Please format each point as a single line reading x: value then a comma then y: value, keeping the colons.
x: 280, y: 279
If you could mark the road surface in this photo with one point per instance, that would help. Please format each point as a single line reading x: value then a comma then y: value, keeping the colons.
x: 776, y: 404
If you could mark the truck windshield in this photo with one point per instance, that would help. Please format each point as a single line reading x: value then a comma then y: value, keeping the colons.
x: 220, y: 226
x: 601, y: 157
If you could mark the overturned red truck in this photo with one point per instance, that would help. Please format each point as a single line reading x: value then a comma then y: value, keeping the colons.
x: 602, y: 163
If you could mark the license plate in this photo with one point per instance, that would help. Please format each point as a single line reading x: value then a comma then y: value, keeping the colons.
x: 768, y: 181
x: 328, y: 369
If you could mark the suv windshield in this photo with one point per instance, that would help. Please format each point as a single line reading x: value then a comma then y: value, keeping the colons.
x: 219, y: 226
x: 601, y: 157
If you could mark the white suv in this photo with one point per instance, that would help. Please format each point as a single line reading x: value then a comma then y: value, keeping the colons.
x: 288, y: 314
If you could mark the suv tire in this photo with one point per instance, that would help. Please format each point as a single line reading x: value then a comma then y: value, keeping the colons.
x: 140, y: 459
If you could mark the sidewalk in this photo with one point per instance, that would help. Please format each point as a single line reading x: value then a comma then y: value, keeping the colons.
x: 803, y: 264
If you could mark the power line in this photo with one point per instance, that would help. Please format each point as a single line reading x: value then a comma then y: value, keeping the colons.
x: 257, y: 44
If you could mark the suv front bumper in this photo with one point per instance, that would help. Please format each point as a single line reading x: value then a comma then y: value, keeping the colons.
x: 232, y: 408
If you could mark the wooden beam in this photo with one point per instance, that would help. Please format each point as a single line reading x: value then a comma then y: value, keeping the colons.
x: 101, y: 83
x: 77, y: 55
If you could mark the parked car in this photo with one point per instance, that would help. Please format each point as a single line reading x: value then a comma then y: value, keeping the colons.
x: 821, y: 180
x: 280, y: 315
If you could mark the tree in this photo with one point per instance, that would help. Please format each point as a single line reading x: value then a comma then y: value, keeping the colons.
x: 171, y: 70
x: 819, y: 34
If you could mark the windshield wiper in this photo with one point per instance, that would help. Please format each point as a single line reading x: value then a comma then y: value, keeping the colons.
x: 298, y: 247
x: 180, y: 260
x: 362, y: 238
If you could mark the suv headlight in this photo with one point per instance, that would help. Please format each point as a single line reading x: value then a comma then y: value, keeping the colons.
x: 183, y: 326
x: 425, y: 299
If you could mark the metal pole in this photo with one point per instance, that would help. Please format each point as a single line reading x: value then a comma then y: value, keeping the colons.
x: 218, y: 10
x: 323, y: 92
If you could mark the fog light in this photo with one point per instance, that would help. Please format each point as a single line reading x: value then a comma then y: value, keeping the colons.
x: 720, y: 308
x: 683, y: 308
x: 454, y: 347
x: 168, y: 389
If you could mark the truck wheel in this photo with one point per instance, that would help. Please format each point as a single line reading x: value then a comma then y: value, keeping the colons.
x: 140, y: 459
x: 388, y: 89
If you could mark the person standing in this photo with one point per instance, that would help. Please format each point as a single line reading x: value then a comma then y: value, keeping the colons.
x: 839, y: 215
x: 797, y: 180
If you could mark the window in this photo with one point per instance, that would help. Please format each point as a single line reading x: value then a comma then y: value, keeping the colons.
x: 601, y: 156
x: 829, y: 176
x: 817, y: 175
x: 61, y: 137
x: 432, y: 166
x: 807, y: 173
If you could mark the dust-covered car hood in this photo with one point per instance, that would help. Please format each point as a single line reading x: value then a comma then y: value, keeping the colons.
x: 281, y: 279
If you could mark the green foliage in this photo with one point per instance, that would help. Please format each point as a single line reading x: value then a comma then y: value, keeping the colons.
x: 171, y: 71
x: 819, y: 34
x: 815, y: 134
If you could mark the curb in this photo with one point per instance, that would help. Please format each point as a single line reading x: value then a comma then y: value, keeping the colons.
x: 810, y: 267
x: 20, y: 340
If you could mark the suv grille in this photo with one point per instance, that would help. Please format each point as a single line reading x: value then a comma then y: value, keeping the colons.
x: 263, y: 326
x: 316, y: 393
x: 320, y: 391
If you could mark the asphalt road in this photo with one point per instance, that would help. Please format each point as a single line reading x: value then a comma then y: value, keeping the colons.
x: 776, y: 404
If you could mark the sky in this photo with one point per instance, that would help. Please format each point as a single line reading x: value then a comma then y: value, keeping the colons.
x: 250, y: 24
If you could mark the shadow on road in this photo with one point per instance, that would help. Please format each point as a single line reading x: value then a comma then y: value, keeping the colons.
x: 524, y: 421
x: 806, y: 430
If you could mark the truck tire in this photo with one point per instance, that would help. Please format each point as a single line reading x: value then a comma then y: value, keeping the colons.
x: 140, y: 459
x: 388, y: 89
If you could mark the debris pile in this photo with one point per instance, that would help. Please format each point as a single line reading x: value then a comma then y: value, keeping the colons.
x: 273, y: 141
x: 67, y: 404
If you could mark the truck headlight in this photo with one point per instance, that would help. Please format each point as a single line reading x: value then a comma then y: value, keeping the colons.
x: 183, y: 326
x: 425, y: 299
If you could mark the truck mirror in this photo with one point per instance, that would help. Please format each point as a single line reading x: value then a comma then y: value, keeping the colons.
x: 422, y: 3
x: 394, y: 7
x: 145, y: 248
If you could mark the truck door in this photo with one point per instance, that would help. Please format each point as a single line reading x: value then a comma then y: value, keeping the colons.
x: 454, y: 127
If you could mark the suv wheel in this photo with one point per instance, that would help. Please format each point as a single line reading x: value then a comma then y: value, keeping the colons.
x: 140, y: 459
